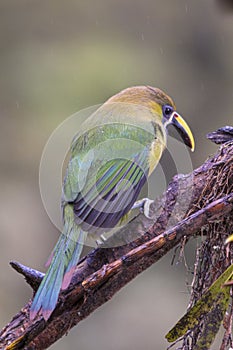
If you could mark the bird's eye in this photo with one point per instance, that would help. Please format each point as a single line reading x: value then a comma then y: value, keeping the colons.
x: 167, y: 111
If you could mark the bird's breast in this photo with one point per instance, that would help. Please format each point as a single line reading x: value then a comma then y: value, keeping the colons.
x: 157, y: 147
x: 155, y: 155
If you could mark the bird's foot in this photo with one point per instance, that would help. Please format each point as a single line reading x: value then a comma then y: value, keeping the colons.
x: 101, y: 240
x: 144, y: 206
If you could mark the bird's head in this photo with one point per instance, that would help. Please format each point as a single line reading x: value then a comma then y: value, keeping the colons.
x: 161, y: 105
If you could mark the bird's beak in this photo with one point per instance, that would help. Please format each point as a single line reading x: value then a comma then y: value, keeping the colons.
x: 183, y: 129
x: 229, y: 239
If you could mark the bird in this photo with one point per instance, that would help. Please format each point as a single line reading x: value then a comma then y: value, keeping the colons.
x: 114, y: 152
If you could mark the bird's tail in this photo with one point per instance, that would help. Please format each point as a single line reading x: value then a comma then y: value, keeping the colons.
x: 64, y: 258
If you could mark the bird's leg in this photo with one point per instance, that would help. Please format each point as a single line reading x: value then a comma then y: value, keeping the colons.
x: 144, y: 206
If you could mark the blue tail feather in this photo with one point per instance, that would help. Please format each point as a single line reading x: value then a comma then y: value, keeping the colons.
x: 66, y: 255
x: 73, y: 262
x: 47, y: 294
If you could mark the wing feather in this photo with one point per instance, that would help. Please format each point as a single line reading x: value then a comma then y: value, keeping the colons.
x: 116, y: 189
x: 108, y: 168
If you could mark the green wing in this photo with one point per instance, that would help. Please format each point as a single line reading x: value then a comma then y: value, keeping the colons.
x: 116, y: 188
x: 104, y: 176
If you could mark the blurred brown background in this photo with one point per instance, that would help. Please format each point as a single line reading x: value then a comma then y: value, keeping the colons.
x: 58, y: 57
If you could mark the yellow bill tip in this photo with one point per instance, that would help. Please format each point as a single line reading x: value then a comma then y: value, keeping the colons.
x: 229, y: 239
x: 184, y: 130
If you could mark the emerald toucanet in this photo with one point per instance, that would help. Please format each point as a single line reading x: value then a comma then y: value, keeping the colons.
x: 114, y: 152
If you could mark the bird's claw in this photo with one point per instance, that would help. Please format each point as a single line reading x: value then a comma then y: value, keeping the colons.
x: 101, y: 240
x: 144, y: 206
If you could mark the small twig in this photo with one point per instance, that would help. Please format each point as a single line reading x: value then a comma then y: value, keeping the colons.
x: 33, y: 277
x: 196, y: 265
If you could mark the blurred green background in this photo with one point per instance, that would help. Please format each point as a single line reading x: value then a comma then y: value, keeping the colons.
x: 58, y: 57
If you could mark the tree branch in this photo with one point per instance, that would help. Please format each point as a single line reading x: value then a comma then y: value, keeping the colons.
x: 136, y: 246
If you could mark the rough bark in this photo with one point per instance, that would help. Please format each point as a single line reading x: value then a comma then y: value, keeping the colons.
x: 138, y: 245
